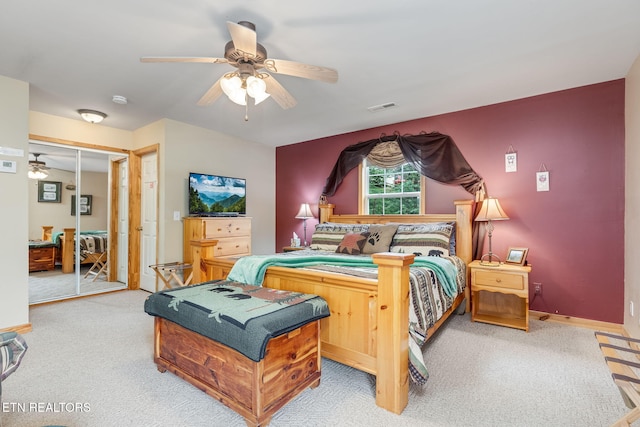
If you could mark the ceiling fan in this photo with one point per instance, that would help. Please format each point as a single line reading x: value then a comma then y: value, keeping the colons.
x: 249, y: 80
x: 37, y: 168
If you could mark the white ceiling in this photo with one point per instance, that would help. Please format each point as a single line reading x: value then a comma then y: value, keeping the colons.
x: 427, y: 56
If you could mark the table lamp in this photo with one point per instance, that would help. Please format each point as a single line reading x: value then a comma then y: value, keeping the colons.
x: 490, y: 211
x: 304, y: 214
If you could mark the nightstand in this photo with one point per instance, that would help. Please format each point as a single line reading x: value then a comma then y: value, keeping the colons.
x: 293, y: 248
x: 500, y: 294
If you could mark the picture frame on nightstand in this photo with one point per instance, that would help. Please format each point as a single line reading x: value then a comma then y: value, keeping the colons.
x: 517, y: 256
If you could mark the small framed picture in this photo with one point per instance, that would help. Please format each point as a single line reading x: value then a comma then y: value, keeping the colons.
x: 517, y: 256
x: 85, y: 204
x: 49, y: 191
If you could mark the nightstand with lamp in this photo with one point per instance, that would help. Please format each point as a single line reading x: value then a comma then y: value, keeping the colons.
x: 499, y: 291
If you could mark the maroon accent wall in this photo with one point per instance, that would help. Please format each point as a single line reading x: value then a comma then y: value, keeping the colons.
x: 574, y: 232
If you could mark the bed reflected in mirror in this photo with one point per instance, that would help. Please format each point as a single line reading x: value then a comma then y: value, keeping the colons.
x: 69, y: 254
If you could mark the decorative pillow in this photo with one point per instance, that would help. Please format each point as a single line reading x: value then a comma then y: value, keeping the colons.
x: 327, y: 236
x: 430, y: 239
x: 352, y: 243
x: 380, y: 237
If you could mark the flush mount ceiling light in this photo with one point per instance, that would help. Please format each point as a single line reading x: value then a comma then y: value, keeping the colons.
x: 92, y: 116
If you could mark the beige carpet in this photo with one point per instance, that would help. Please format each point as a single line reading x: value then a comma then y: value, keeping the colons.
x: 92, y: 357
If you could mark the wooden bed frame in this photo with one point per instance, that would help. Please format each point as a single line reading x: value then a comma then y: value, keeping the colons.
x: 65, y: 254
x: 368, y: 326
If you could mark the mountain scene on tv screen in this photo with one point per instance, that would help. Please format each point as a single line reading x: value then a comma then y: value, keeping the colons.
x: 216, y: 194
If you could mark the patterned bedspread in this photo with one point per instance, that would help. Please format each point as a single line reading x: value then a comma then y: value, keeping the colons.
x: 428, y: 299
x: 90, y: 242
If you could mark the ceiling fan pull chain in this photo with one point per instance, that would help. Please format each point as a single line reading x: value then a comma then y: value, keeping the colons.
x: 246, y: 109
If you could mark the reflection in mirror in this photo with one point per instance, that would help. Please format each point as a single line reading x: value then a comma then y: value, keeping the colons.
x: 69, y: 235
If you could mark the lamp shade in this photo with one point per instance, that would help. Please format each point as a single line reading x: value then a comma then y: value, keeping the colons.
x: 304, y: 212
x: 491, y: 211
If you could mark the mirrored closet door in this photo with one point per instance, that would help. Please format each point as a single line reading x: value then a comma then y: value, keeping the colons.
x: 77, y: 222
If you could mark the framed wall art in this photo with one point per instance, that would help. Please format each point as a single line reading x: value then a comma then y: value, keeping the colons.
x: 49, y: 191
x: 85, y: 204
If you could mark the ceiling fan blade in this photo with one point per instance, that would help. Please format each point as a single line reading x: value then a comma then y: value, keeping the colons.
x: 244, y: 38
x: 279, y: 93
x: 183, y: 59
x: 212, y: 94
x: 306, y: 71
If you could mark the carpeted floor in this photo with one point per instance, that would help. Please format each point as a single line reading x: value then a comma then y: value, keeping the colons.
x: 54, y: 285
x: 90, y: 363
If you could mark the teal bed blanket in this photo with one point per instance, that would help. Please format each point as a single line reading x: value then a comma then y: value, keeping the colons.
x: 251, y: 269
x: 434, y: 283
x: 242, y: 317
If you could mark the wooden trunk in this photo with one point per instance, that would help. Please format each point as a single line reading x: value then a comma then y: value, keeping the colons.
x: 255, y: 390
x: 41, y: 258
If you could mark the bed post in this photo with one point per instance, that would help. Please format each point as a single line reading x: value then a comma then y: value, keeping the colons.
x: 464, y: 240
x: 201, y: 250
x: 326, y: 211
x: 392, y: 358
x: 68, y: 249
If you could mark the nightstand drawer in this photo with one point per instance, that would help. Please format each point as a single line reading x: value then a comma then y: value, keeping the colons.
x: 499, y: 279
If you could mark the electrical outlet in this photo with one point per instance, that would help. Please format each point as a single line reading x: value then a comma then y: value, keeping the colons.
x: 537, y: 288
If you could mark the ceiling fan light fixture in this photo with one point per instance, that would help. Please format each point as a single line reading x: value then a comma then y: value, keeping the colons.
x: 257, y: 89
x: 37, y: 168
x: 261, y: 97
x: 92, y: 116
x: 232, y: 87
x: 37, y: 174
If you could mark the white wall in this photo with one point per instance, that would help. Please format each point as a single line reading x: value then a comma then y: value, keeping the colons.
x: 632, y: 200
x: 193, y: 149
x: 14, y: 265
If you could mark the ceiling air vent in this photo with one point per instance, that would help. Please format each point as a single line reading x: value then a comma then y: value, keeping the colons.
x: 382, y: 107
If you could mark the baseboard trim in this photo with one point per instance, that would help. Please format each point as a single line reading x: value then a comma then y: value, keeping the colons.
x: 596, y: 325
x: 21, y: 329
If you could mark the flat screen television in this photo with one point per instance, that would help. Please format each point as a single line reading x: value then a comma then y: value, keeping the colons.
x: 215, y: 195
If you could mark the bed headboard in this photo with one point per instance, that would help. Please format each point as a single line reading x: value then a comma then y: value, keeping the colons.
x: 463, y: 219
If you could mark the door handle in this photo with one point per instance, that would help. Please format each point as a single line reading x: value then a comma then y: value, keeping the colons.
x: 139, y: 228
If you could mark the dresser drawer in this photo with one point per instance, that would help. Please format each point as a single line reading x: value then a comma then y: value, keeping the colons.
x: 498, y: 279
x: 233, y: 246
x: 233, y: 227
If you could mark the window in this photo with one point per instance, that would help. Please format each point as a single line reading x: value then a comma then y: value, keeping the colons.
x: 391, y: 191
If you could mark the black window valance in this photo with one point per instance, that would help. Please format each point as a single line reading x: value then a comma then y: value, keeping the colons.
x: 434, y: 155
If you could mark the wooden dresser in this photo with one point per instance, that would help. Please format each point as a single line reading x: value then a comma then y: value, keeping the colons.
x: 233, y: 235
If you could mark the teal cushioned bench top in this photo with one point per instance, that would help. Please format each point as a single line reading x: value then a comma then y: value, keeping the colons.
x: 242, y: 317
